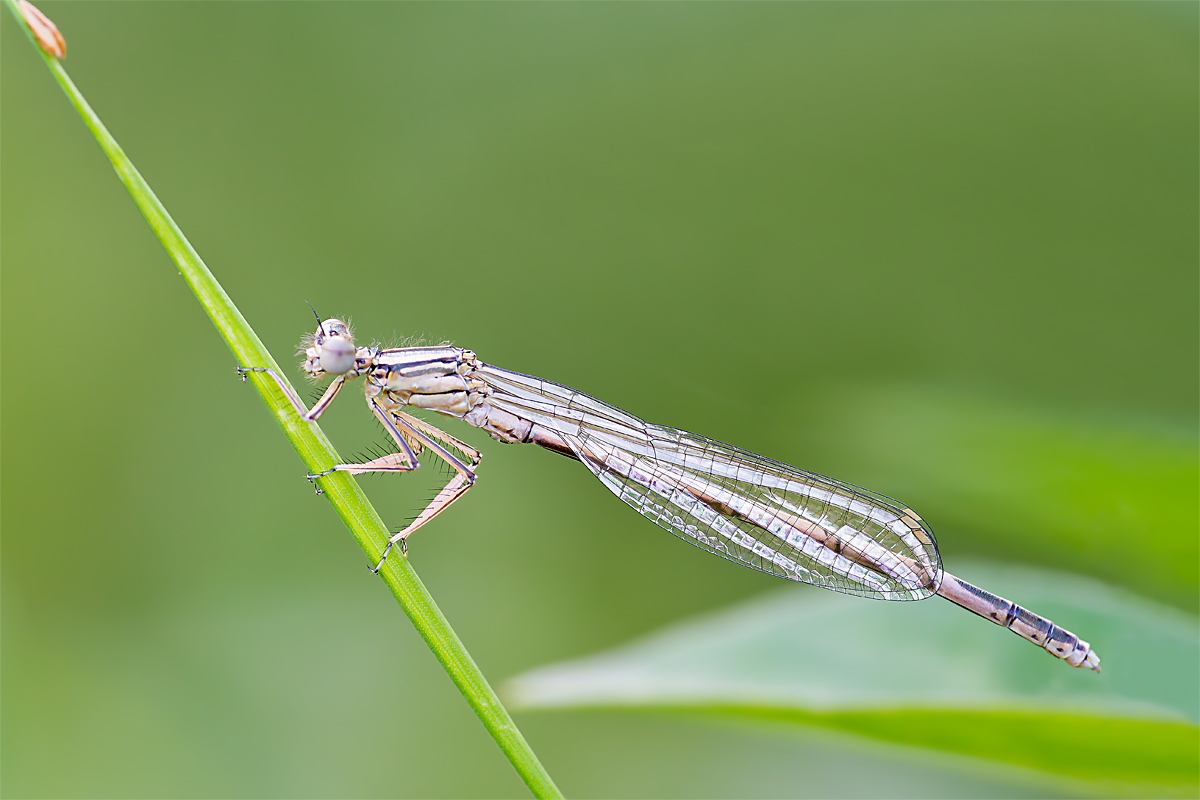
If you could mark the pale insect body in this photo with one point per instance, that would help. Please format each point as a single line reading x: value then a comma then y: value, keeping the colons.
x: 739, y: 505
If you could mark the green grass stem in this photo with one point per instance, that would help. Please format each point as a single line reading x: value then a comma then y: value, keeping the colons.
x: 316, y: 451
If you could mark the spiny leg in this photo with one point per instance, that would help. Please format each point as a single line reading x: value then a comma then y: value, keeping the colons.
x: 463, y: 480
x: 471, y: 454
x: 297, y: 403
x: 318, y: 408
x: 451, y: 492
x: 393, y: 462
x: 403, y: 461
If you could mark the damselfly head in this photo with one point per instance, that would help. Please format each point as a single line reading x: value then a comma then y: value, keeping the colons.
x: 330, y: 349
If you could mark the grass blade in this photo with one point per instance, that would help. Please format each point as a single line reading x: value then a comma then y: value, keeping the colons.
x: 316, y: 451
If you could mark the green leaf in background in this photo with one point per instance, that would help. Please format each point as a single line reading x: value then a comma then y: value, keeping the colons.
x: 928, y: 675
x: 1115, y: 497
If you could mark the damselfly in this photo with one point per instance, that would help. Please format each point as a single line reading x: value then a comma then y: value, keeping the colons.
x: 739, y: 505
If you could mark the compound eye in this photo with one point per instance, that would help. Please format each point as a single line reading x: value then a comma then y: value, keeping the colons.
x: 329, y: 329
x: 337, y: 356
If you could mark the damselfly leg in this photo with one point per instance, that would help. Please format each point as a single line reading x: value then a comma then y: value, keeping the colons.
x: 318, y: 408
x: 400, y: 427
x: 411, y: 435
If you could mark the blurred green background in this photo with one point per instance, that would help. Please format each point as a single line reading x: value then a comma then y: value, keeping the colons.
x: 946, y: 251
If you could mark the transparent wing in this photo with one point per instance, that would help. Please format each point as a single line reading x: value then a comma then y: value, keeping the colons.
x: 739, y: 505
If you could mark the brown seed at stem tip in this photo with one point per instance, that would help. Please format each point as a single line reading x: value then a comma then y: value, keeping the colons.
x: 45, y: 31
